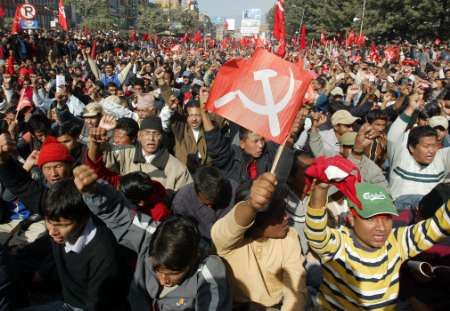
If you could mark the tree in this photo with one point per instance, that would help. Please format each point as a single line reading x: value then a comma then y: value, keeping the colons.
x: 384, y: 19
x: 155, y: 19
x: 95, y: 14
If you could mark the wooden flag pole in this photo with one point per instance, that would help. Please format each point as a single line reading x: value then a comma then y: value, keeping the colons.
x: 22, y: 95
x: 278, y: 156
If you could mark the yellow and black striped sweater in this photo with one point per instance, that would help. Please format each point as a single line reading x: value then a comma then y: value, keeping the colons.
x: 356, y: 278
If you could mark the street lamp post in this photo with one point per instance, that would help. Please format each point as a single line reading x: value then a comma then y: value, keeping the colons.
x: 362, y: 17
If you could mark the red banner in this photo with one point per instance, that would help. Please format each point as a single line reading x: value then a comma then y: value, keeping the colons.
x: 263, y: 94
x: 62, y: 16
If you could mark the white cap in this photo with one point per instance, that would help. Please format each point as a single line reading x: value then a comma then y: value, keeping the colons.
x: 438, y: 121
x: 337, y: 91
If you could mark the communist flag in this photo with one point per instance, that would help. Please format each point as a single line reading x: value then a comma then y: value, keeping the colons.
x: 263, y: 94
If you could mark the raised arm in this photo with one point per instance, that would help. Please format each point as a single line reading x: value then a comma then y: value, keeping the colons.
x: 229, y: 231
x: 397, y: 131
x: 131, y: 229
x: 218, y: 146
x: 315, y: 140
x: 12, y: 175
x: 421, y: 236
x: 323, y: 240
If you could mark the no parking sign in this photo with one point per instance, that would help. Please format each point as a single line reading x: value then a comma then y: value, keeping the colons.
x: 27, y: 11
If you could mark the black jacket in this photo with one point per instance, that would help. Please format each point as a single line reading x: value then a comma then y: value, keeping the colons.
x: 233, y: 161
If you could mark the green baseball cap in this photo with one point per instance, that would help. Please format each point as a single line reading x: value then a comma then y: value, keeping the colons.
x: 375, y: 200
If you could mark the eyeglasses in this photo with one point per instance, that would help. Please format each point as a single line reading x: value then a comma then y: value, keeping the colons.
x: 151, y: 133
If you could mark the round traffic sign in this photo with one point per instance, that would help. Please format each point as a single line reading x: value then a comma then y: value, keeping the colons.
x: 27, y: 11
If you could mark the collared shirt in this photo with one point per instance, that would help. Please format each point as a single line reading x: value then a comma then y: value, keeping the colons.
x: 86, y: 236
x: 272, y: 268
x: 148, y: 157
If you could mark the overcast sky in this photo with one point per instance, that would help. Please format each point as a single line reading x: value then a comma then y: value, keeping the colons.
x: 233, y: 8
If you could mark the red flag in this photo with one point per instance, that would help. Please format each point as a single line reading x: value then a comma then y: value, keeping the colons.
x: 282, y: 48
x: 15, y: 27
x: 392, y: 53
x: 176, y: 48
x: 374, y: 56
x: 185, y: 38
x: 279, y: 31
x: 224, y: 43
x: 146, y: 37
x: 24, y: 101
x: 263, y: 93
x: 133, y: 36
x: 198, y: 37
x: 323, y: 39
x: 2, y: 11
x: 361, y: 40
x: 62, y: 16
x: 303, y: 42
x: 350, y: 39
x: 94, y: 49
x: 10, y: 65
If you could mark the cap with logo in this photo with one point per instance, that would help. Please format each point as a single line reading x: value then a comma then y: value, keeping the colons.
x: 375, y: 200
x: 343, y: 117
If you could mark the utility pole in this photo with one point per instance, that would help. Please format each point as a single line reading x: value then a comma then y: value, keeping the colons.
x: 362, y: 17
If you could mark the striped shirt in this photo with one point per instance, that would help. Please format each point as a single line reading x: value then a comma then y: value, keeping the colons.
x: 357, y: 278
x: 406, y: 175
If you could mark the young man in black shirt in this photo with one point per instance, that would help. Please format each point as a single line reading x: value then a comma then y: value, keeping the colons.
x: 85, y: 252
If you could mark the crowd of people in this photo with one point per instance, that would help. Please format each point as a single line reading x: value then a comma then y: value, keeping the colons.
x: 120, y: 191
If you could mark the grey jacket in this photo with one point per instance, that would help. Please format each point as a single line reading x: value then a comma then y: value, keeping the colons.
x: 370, y: 171
x: 206, y: 288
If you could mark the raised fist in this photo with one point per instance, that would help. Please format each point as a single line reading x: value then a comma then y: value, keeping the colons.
x: 262, y: 191
x: 84, y: 178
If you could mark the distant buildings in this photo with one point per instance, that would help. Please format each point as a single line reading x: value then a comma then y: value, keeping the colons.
x: 175, y: 4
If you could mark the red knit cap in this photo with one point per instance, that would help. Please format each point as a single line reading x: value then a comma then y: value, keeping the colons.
x: 53, y: 151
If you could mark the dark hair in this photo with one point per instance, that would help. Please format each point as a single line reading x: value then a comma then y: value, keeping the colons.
x: 65, y: 201
x: 419, y: 132
x: 136, y: 186
x: 191, y: 104
x: 138, y: 81
x: 377, y: 114
x: 4, y: 127
x: 175, y: 244
x: 432, y: 109
x: 431, y: 202
x: 71, y: 128
x: 109, y: 64
x: 243, y: 133
x: 130, y: 126
x: 210, y: 182
x: 111, y: 84
x: 39, y: 123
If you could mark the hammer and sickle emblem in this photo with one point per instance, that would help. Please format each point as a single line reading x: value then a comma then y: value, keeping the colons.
x: 271, y: 108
